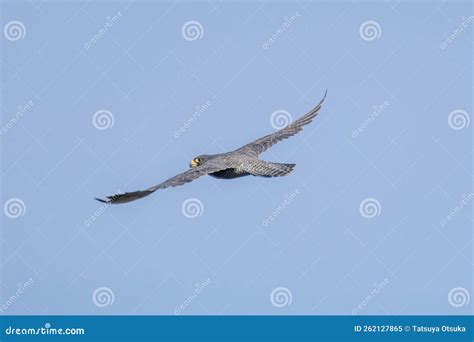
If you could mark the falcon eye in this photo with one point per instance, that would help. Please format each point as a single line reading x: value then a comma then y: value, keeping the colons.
x: 196, y: 162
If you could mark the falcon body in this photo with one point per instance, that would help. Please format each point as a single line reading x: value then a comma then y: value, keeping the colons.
x: 240, y: 165
x: 242, y: 162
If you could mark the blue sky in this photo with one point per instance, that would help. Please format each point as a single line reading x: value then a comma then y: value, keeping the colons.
x: 375, y: 219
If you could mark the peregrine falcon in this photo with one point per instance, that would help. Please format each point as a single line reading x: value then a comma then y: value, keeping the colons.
x: 239, y: 163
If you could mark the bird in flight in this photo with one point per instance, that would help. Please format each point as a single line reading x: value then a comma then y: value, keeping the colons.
x: 242, y: 162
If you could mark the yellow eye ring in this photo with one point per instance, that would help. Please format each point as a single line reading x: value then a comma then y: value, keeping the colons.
x: 196, y: 161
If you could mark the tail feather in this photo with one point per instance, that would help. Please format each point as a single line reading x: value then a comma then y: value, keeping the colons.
x: 269, y: 169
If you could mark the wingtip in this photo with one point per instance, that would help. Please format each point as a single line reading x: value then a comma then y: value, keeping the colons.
x: 101, y: 200
x: 324, y: 97
x: 318, y: 106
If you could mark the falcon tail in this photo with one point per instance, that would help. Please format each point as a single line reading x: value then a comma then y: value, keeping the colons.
x: 270, y: 169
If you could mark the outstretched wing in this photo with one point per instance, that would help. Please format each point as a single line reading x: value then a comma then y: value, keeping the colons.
x: 183, y: 178
x: 261, y: 145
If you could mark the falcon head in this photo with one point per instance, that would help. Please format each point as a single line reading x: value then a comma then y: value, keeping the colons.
x: 199, y: 160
